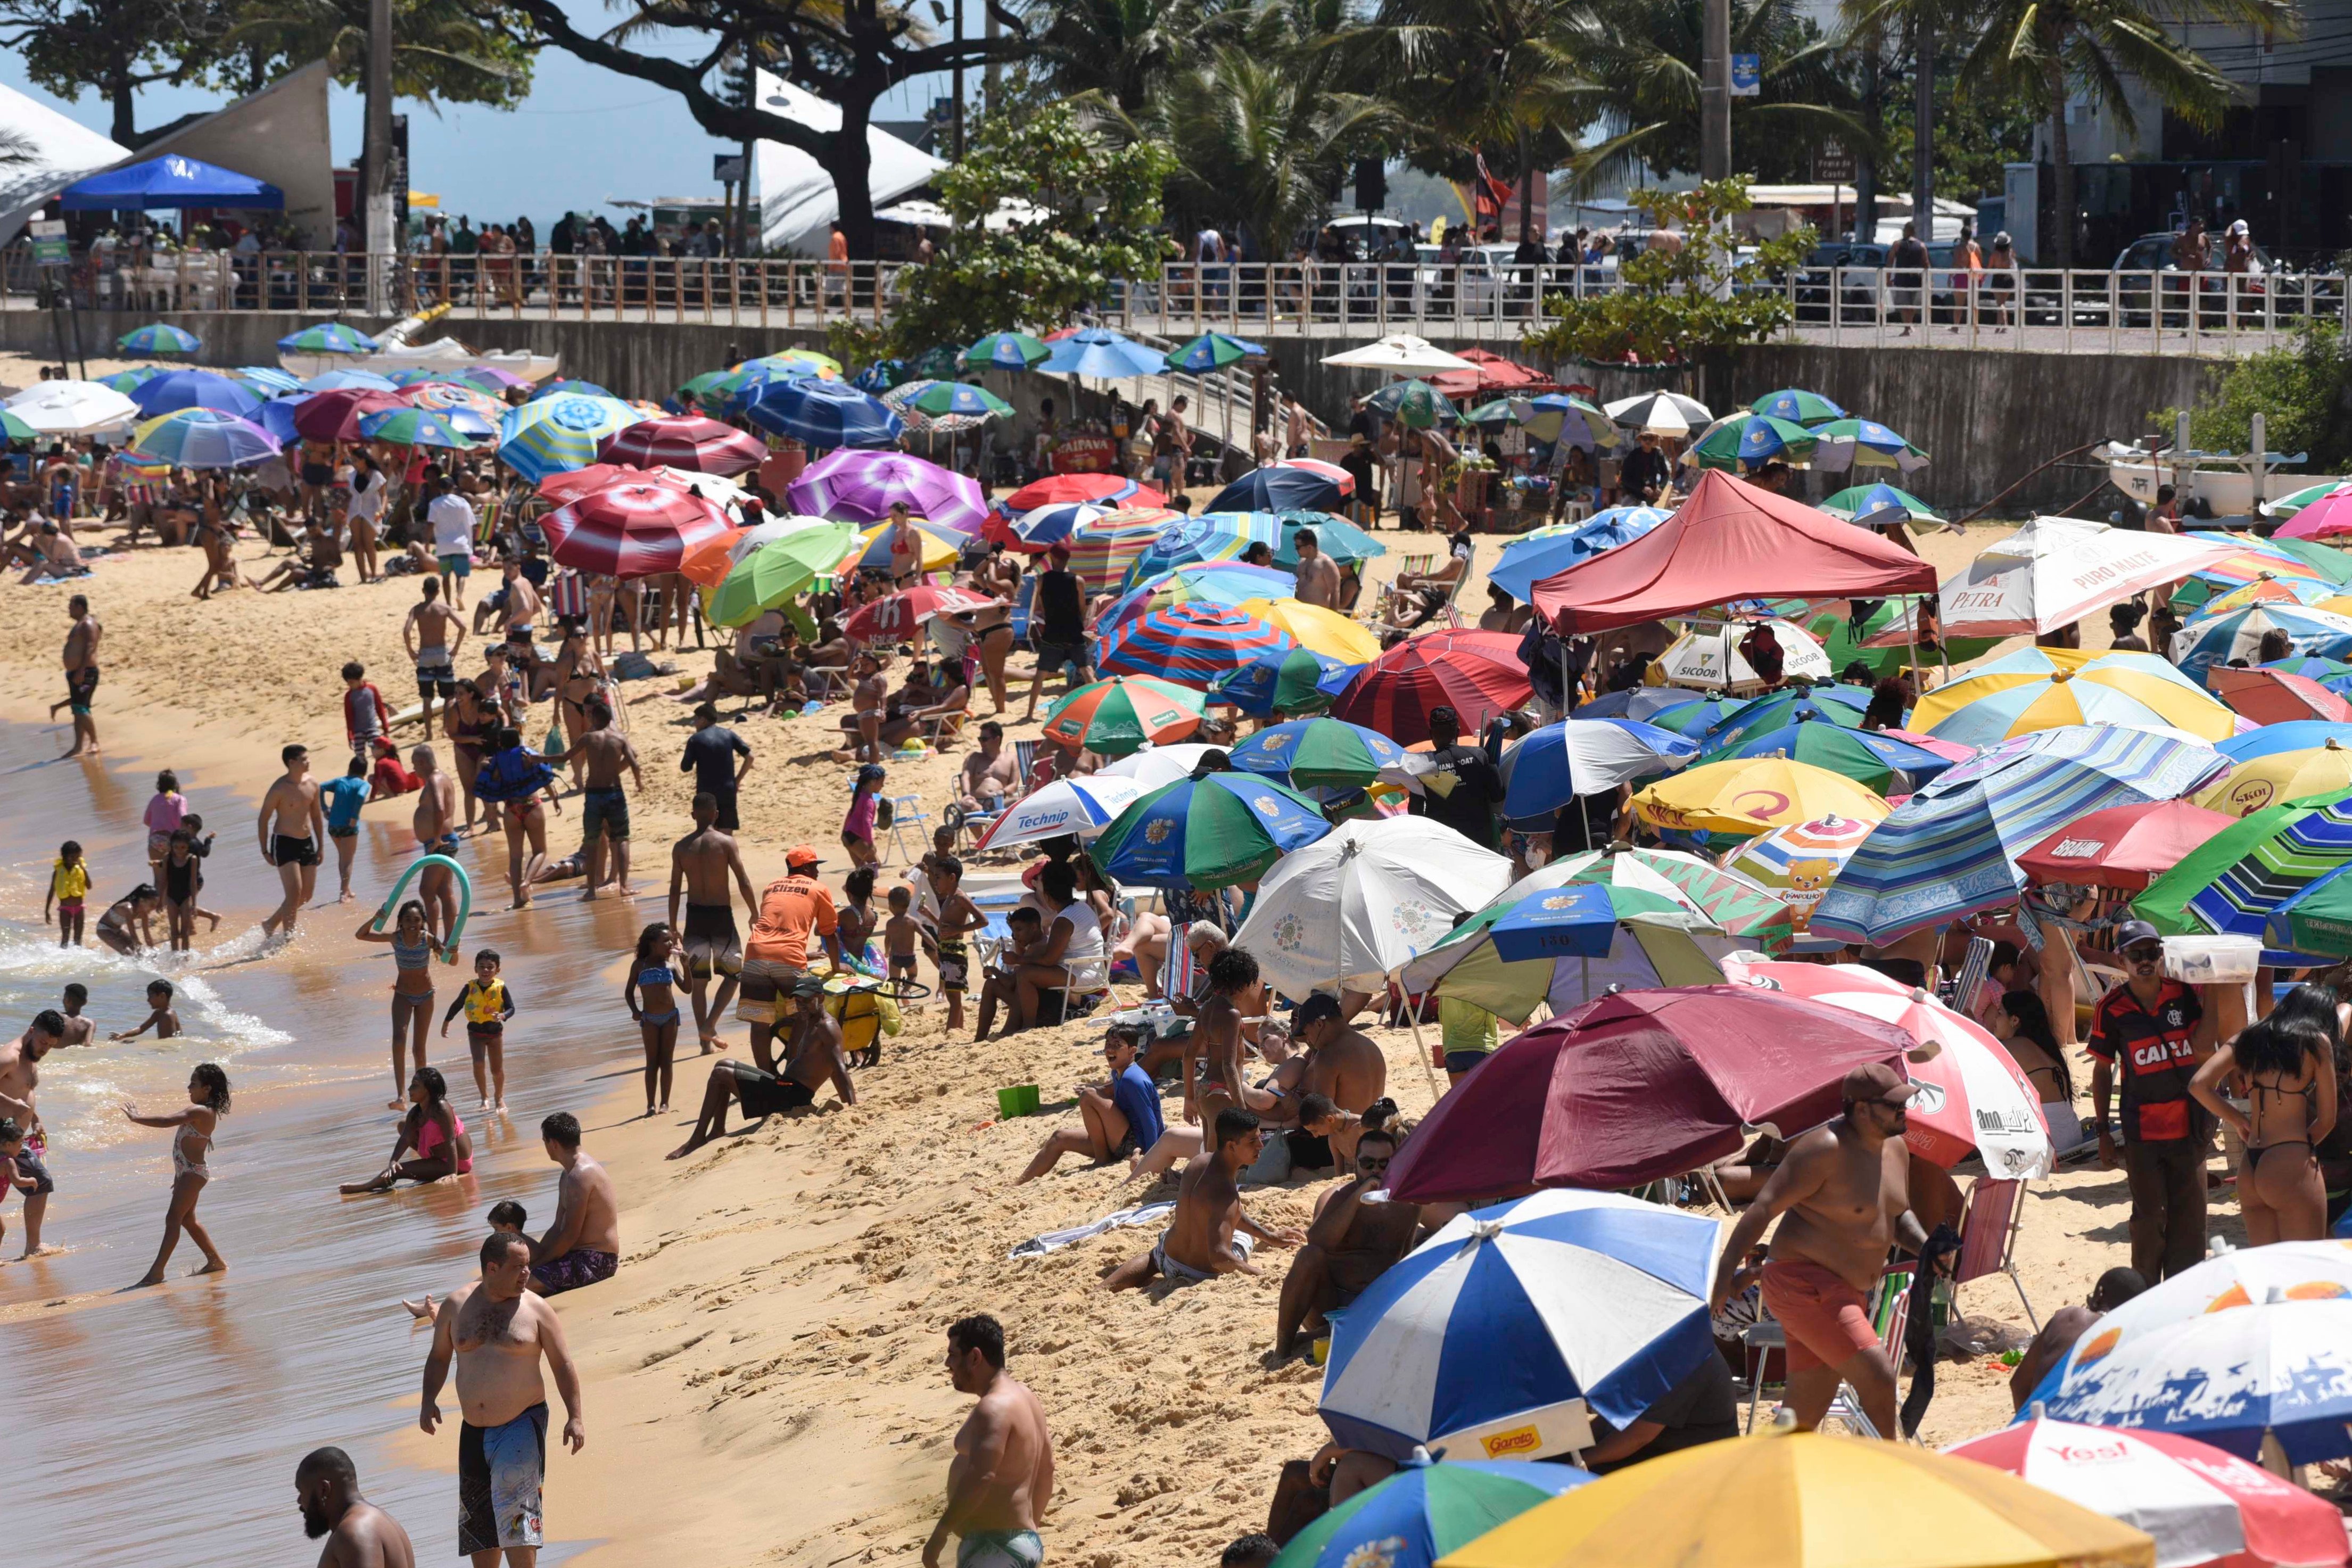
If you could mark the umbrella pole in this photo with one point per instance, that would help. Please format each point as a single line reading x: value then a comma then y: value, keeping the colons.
x: 1911, y: 631
x: 1412, y: 1018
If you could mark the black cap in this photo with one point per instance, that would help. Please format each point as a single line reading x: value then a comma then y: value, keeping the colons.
x: 2132, y: 932
x: 1315, y: 1009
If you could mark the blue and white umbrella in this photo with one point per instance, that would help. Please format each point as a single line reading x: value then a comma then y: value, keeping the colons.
x: 349, y: 381
x: 1502, y: 1331
x: 1649, y: 703
x: 2217, y: 640
x: 268, y: 378
x: 825, y: 414
x: 1526, y: 561
x: 1102, y: 355
x: 178, y: 389
x: 1547, y: 768
x: 1211, y: 536
x: 1844, y: 443
x: 1083, y: 807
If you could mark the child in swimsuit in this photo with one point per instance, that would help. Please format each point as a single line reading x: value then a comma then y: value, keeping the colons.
x: 160, y: 1017
x: 414, y: 949
x: 488, y: 1004
x: 652, y: 997
x: 68, y: 886
x: 902, y: 938
x: 181, y: 879
x: 433, y: 1129
x: 191, y: 1133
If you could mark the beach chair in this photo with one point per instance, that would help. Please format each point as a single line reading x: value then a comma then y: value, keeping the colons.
x: 1026, y: 756
x: 1988, y: 1228
x: 906, y: 816
x: 1962, y: 995
x: 1890, y: 1315
x: 1177, y: 972
x: 1087, y: 980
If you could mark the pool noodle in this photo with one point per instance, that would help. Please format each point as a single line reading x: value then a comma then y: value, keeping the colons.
x: 464, y: 899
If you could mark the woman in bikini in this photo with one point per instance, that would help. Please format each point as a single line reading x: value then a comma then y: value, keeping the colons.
x: 2288, y: 1072
x: 432, y: 1131
x: 191, y: 1133
x: 652, y: 997
x: 2020, y: 1022
x: 579, y: 676
x: 414, y: 949
x: 471, y: 718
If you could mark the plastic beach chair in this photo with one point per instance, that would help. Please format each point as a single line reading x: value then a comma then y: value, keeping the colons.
x: 1988, y: 1228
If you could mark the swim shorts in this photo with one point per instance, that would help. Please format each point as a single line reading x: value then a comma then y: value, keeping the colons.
x: 80, y: 684
x: 1000, y: 1549
x: 955, y: 965
x: 457, y: 566
x: 30, y: 1168
x: 499, y: 1470
x: 711, y: 942
x: 726, y: 821
x: 604, y: 811
x: 765, y: 1094
x: 576, y: 1268
x: 1825, y: 1317
x: 1462, y: 1061
x: 286, y: 851
x: 436, y: 676
x: 350, y: 832
x: 1053, y: 655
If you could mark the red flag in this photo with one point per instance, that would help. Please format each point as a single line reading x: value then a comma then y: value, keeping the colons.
x: 1494, y: 194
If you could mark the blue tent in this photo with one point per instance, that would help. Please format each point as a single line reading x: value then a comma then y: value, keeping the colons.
x: 170, y: 180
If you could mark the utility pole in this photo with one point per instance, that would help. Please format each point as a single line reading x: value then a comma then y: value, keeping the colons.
x: 749, y: 225
x: 376, y: 160
x: 957, y: 144
x: 1865, y: 179
x: 1923, y: 127
x: 992, y: 78
x: 1715, y: 92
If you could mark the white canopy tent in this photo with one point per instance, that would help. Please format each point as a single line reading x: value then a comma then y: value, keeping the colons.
x: 797, y: 204
x: 61, y: 151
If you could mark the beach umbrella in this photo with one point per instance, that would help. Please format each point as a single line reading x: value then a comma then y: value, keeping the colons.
x: 1708, y: 657
x: 1636, y: 1086
x: 2254, y: 1342
x: 1547, y: 769
x: 1331, y: 471
x: 1336, y: 537
x: 350, y: 380
x: 496, y: 380
x: 1418, y: 1515
x: 1309, y: 754
x: 277, y: 417
x: 2277, y: 776
x: 825, y: 414
x: 1748, y: 796
x: 179, y: 389
x: 1532, y: 557
x: 1667, y: 411
x: 1415, y: 405
x: 2325, y: 517
x: 2217, y: 640
x: 683, y: 441
x: 1106, y: 489
x: 2245, y: 557
x: 159, y: 337
x: 895, y: 617
x: 1953, y: 847
x: 2123, y: 847
x: 733, y: 392
x: 2329, y: 561
x: 1798, y: 407
x: 555, y: 433
x: 1353, y: 907
x: 704, y: 387
x: 1313, y: 627
x: 72, y: 408
x: 419, y: 376
x: 413, y: 427
x: 326, y: 338
x: 1205, y: 831
x: 1505, y: 1329
x: 2299, y: 735
x: 1102, y: 550
x: 1798, y: 862
x: 1840, y: 705
x: 2201, y: 1504
x: 560, y: 388
x: 1974, y: 1099
x: 2287, y: 505
x: 870, y: 550
x: 14, y: 429
x: 1113, y: 717
x: 1004, y: 350
x: 1224, y: 584
x: 775, y: 572
x: 336, y: 415
x: 1213, y: 351
x: 1211, y: 536
x: 861, y: 487
x: 1192, y: 645
x: 1477, y: 674
x: 1864, y: 444
x: 2317, y: 919
x: 822, y: 363
x: 1874, y: 506
x: 204, y: 438
x: 1285, y: 680
x: 1278, y: 489
x: 1402, y: 353
x: 1803, y: 1500
x: 2048, y: 687
x: 1873, y: 759
x: 2269, y: 590
x: 446, y: 397
x: 957, y: 397
x: 1039, y: 529
x: 128, y: 381
x: 631, y: 531
x: 2231, y: 884
x: 708, y: 563
x: 1749, y: 441
x: 2276, y: 694
x: 1151, y: 766
x: 881, y: 376
x: 1101, y: 354
x: 1564, y: 417
x: 2056, y: 570
x: 1080, y: 807
x: 1654, y: 704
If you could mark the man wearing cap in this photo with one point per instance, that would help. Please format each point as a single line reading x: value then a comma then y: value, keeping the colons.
x: 2154, y: 1029
x: 791, y: 910
x: 811, y: 1060
x: 1846, y: 1192
x: 1058, y: 626
x: 1343, y: 1065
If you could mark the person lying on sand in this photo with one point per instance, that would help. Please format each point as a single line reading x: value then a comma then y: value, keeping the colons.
x: 812, y: 1059
x: 1199, y: 1242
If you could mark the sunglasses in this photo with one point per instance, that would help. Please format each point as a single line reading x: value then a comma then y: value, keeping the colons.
x: 1368, y: 1164
x: 2144, y: 954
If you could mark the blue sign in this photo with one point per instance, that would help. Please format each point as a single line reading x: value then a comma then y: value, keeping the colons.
x: 1746, y: 75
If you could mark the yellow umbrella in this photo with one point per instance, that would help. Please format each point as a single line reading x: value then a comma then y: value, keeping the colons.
x: 940, y: 549
x: 1746, y: 796
x: 1319, y: 630
x: 2047, y: 687
x: 2281, y: 777
x: 1799, y: 1499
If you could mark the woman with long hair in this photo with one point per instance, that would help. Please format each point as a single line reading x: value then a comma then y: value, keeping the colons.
x: 2288, y: 1071
x: 2020, y: 1022
x: 432, y: 1131
x: 191, y: 1133
x: 414, y: 949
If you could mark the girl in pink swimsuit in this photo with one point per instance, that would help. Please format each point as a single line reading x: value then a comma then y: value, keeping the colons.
x: 432, y: 1131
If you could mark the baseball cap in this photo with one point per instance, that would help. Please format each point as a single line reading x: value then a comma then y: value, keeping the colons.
x: 802, y: 854
x: 2132, y: 932
x: 2240, y: 227
x: 1876, y: 1081
x: 1315, y: 1009
x: 809, y: 986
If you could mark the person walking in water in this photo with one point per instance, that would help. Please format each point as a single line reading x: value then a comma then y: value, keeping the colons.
x: 357, y: 1533
x: 81, y: 674
x: 1001, y: 1481
x: 289, y: 826
x: 414, y: 949
x: 651, y: 993
x: 191, y: 1133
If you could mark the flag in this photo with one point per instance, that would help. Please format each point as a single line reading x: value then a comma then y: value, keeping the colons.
x: 1494, y: 194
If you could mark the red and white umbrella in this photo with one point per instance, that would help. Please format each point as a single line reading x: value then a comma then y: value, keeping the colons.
x: 888, y: 619
x: 1973, y: 1095
x: 2202, y: 1505
x: 631, y: 530
x: 684, y: 441
x: 1331, y: 471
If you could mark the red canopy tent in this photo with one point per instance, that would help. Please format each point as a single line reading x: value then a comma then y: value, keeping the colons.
x: 1491, y: 375
x: 1729, y: 541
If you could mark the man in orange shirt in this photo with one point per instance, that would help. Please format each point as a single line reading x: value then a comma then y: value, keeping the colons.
x: 777, y: 953
x: 836, y: 263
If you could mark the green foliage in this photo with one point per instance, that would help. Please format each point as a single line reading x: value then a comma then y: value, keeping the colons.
x: 1097, y: 222
x: 442, y: 50
x: 1972, y: 142
x: 1679, y: 304
x: 2303, y: 393
x: 117, y: 46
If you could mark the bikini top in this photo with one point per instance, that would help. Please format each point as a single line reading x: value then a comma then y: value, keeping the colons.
x: 412, y: 956
x: 657, y: 974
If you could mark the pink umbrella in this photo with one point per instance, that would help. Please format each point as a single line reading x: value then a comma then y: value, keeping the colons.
x: 888, y: 619
x: 2202, y: 1505
x: 2330, y: 514
x: 1959, y: 752
x: 1331, y: 471
x: 859, y: 486
x: 631, y: 530
x: 684, y: 441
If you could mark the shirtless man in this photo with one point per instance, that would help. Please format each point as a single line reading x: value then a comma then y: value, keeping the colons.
x: 604, y: 805
x: 701, y: 865
x: 988, y: 777
x: 435, y: 824
x: 1343, y: 1065
x: 1318, y: 575
x: 1350, y: 1244
x: 1001, y: 1481
x: 583, y: 1245
x: 19, y: 1075
x: 79, y: 1031
x: 812, y: 1058
x: 359, y: 1534
x: 432, y: 634
x: 519, y: 615
x: 290, y: 827
x: 2066, y: 1325
x: 1843, y: 1189
x: 81, y: 674
x: 498, y: 1334
x: 1234, y: 993
x: 1199, y: 1242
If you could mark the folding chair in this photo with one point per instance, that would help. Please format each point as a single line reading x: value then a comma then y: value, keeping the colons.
x: 1026, y: 760
x: 1089, y: 978
x: 1962, y: 995
x: 1177, y: 972
x: 1988, y: 1228
x: 1890, y: 1315
x: 906, y: 814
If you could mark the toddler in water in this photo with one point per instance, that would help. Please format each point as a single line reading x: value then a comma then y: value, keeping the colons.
x: 200, y: 844
x: 68, y: 886
x: 652, y: 997
x: 857, y: 827
x: 160, y: 1016
x: 488, y: 1004
x: 165, y: 809
x: 191, y: 1133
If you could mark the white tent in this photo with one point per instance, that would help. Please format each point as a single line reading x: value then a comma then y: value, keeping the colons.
x: 797, y: 205
x: 61, y: 152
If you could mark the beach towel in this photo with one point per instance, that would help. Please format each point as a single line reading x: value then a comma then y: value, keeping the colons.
x: 1054, y: 1240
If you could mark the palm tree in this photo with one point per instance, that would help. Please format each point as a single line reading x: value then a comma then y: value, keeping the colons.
x: 1114, y: 56
x: 2040, y: 51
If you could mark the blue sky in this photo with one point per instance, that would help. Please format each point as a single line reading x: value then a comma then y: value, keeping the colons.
x: 584, y: 136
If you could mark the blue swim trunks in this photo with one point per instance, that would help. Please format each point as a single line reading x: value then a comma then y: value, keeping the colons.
x: 499, y: 1470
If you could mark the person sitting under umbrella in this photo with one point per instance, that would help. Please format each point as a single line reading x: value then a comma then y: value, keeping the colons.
x: 1350, y: 1244
x: 2066, y: 1325
x: 1415, y: 597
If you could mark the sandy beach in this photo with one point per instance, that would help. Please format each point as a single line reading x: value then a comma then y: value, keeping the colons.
x: 763, y: 1377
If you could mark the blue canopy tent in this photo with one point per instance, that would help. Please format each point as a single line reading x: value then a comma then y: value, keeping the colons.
x: 171, y: 180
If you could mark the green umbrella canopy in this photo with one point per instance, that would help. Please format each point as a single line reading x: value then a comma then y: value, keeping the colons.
x: 1829, y: 746
x: 1336, y: 537
x: 778, y: 570
x: 1720, y: 448
x: 1004, y: 350
x: 958, y: 397
x: 2286, y: 507
x: 1798, y: 406
x: 2250, y: 868
x: 1229, y: 837
x: 1456, y: 1504
x: 1848, y: 501
x: 704, y: 385
x: 2330, y: 562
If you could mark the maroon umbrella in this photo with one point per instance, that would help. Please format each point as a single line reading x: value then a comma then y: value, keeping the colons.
x: 631, y: 530
x: 1635, y: 1086
x: 686, y: 441
x: 336, y: 415
x: 1477, y: 674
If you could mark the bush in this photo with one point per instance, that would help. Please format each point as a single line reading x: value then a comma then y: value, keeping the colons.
x: 2303, y: 393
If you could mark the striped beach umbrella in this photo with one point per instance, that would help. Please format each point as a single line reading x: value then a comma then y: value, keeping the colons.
x: 2052, y: 688
x: 559, y: 432
x: 862, y: 486
x: 895, y: 617
x: 159, y: 337
x: 1752, y: 439
x: 1213, y: 351
x: 822, y: 413
x: 631, y: 530
x: 1104, y: 490
x: 1840, y: 705
x: 2231, y: 884
x: 418, y: 376
x: 1114, y: 717
x: 271, y: 381
x: 1425, y: 1511
x: 1798, y: 862
x: 1871, y: 759
x: 1548, y: 768
x: 1477, y: 674
x: 683, y: 441
x: 2216, y: 639
x: 1953, y: 847
x: 2269, y: 590
x: 326, y: 338
x: 1082, y: 807
x: 1102, y: 550
x: 1039, y: 529
x: 413, y: 427
x: 1208, y: 831
x: 1285, y: 680
x: 1211, y: 536
x: 204, y: 438
x: 824, y: 364
x: 1874, y: 505
x: 1226, y: 583
x: 870, y: 550
x: 1004, y: 350
x: 731, y: 391
x: 1192, y: 645
x: 2326, y: 515
x: 194, y: 389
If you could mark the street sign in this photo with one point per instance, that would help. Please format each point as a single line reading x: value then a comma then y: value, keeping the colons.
x: 50, y: 248
x: 1833, y: 164
x: 727, y: 168
x: 1746, y: 75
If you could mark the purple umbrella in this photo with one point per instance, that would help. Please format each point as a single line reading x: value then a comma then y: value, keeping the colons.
x: 860, y: 486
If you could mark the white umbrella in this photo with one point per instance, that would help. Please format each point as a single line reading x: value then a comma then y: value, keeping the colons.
x: 1364, y: 901
x: 1400, y: 351
x: 2056, y: 570
x: 72, y: 408
x: 1084, y: 806
x: 1156, y: 766
x: 1708, y: 657
x: 1660, y: 411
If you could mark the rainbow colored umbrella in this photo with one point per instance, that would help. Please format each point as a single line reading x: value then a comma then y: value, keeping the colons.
x: 326, y: 338
x: 448, y: 398
x: 556, y: 434
x: 1799, y: 860
x: 822, y: 365
x: 413, y: 427
x: 159, y: 337
x: 1211, y: 830
x: 1211, y: 536
x: 204, y: 438
x: 1114, y: 717
x: 1194, y: 644
x: 1103, y: 550
x: 1220, y: 583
